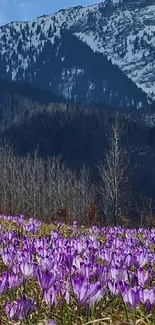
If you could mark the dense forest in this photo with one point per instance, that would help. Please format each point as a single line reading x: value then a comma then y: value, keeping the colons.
x: 77, y: 134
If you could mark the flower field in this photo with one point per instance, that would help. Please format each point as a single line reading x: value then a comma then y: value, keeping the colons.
x: 70, y: 275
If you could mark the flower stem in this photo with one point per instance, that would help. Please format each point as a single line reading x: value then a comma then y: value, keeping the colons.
x: 126, y: 312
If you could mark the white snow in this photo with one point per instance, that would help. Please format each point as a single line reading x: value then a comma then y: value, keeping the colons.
x: 106, y: 35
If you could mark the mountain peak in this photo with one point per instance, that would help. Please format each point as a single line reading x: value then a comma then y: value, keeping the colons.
x: 121, y: 30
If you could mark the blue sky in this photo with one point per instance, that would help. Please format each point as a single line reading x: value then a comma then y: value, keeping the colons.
x: 28, y: 9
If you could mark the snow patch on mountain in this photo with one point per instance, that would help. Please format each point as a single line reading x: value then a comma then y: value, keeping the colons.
x: 123, y: 30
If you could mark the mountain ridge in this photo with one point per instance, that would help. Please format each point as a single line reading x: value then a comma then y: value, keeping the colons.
x: 100, y: 26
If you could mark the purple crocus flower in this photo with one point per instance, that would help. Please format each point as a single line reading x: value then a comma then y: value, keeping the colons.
x: 50, y: 297
x: 113, y: 287
x: 143, y: 259
x: 123, y: 287
x: 133, y: 279
x: 4, y: 283
x: 32, y: 226
x: 11, y: 310
x: 47, y: 264
x: 143, y: 276
x: 101, y: 273
x: 14, y: 280
x: 51, y: 322
x: 147, y: 297
x: 28, y: 269
x: 46, y: 280
x: 119, y: 274
x: 25, y: 307
x: 96, y: 298
x: 84, y: 290
x: 9, y: 256
x: 132, y: 297
x: 77, y: 262
x: 20, y: 309
x: 68, y: 259
x: 130, y: 260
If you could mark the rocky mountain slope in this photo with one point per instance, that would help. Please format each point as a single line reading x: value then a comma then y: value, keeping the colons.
x: 41, y: 51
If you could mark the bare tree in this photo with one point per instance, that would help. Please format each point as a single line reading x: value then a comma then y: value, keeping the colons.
x: 46, y: 189
x: 113, y: 173
x: 146, y: 211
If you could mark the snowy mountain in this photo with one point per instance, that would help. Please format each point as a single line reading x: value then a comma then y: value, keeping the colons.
x: 123, y: 31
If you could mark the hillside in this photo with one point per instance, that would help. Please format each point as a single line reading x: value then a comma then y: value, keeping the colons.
x: 41, y: 52
x: 18, y: 100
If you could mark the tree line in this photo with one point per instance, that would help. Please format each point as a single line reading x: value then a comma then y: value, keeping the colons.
x: 48, y: 189
x: 81, y: 136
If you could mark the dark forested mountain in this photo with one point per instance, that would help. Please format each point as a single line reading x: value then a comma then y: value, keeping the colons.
x: 69, y: 52
x: 32, y: 117
x: 71, y: 69
x: 18, y: 100
x: 36, y: 94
